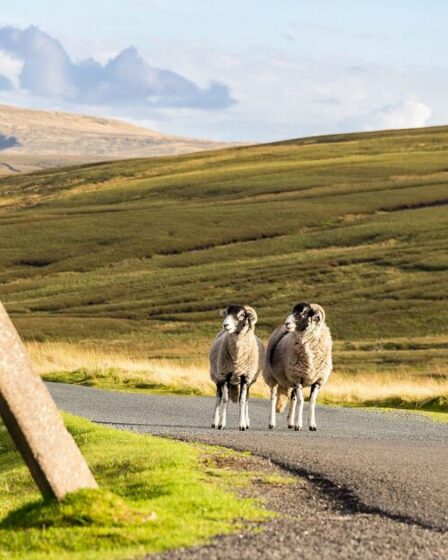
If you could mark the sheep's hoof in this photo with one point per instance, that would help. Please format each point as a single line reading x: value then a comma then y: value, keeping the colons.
x: 271, y: 426
x: 213, y: 425
x: 221, y: 427
x: 297, y: 428
x: 290, y: 426
x: 242, y: 429
x: 313, y: 429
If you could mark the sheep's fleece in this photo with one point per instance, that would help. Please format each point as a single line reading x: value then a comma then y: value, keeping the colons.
x: 303, y: 357
x: 240, y: 353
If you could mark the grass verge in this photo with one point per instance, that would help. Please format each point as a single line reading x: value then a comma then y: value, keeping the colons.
x: 399, y: 390
x: 155, y: 494
x: 118, y: 370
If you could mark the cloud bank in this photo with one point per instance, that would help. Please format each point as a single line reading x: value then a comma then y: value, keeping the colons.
x: 280, y: 95
x: 33, y: 62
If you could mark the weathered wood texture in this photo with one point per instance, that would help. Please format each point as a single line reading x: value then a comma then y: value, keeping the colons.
x: 34, y: 422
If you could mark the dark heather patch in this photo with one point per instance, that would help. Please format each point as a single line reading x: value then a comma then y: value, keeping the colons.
x: 37, y: 263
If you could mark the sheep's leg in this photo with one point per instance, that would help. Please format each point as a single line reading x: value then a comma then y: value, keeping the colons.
x: 312, y: 412
x: 247, y: 410
x: 273, y: 405
x: 219, y: 387
x: 292, y: 408
x: 301, y: 399
x: 225, y: 402
x: 243, y: 402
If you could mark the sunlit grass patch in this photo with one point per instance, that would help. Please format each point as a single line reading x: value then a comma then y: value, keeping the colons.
x: 435, y: 416
x: 155, y: 494
x: 84, y: 508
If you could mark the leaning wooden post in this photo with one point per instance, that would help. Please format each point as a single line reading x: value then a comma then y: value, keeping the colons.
x: 34, y: 422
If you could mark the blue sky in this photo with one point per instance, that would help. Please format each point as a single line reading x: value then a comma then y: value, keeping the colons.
x: 248, y: 70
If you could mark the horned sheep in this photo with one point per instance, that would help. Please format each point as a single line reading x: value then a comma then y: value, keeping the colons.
x: 298, y: 355
x: 236, y: 359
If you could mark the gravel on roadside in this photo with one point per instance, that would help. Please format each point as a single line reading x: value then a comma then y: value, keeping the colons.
x: 315, y: 520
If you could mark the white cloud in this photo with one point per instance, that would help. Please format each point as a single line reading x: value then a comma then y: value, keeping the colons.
x: 407, y: 114
x: 279, y: 95
x: 10, y: 68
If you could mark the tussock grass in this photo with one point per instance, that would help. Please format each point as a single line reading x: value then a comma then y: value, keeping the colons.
x: 84, y: 508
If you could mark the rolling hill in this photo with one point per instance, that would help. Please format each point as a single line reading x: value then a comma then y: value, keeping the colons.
x: 143, y: 253
x: 33, y: 140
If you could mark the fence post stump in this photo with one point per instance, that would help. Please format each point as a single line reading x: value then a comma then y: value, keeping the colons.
x: 34, y: 422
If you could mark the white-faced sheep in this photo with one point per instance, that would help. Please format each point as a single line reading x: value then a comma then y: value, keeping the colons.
x: 299, y: 354
x: 236, y: 359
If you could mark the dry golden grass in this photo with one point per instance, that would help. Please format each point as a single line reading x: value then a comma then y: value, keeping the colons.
x: 395, y: 389
x: 90, y: 365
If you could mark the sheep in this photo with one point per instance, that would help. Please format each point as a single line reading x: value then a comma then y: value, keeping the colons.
x: 236, y: 359
x: 298, y: 355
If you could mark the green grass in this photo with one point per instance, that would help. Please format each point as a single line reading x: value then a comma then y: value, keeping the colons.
x: 155, y: 494
x: 439, y: 416
x: 435, y: 415
x: 143, y: 253
x: 116, y: 380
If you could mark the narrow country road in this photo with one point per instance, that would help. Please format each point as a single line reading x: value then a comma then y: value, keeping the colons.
x: 391, y: 463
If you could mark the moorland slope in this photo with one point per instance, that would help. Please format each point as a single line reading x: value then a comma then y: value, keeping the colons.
x: 145, y: 252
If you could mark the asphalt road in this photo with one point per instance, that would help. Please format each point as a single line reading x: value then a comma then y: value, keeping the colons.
x: 392, y: 464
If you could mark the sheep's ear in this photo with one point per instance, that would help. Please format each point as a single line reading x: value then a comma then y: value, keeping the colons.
x: 318, y: 313
x: 251, y: 314
x: 316, y: 316
x: 223, y: 312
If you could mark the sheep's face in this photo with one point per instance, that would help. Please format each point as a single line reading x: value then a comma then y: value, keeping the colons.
x: 238, y: 318
x: 303, y: 317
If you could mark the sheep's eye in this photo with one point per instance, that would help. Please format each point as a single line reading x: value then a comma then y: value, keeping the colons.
x: 241, y: 317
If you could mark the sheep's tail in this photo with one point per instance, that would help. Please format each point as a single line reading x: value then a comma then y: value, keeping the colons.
x: 282, y: 398
x: 234, y: 392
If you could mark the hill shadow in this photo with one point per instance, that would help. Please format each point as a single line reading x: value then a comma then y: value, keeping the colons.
x: 8, y: 142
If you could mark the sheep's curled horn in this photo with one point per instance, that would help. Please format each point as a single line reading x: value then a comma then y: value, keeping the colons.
x: 320, y: 310
x: 251, y: 314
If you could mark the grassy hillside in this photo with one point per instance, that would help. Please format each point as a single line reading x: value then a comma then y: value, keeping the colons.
x: 141, y: 254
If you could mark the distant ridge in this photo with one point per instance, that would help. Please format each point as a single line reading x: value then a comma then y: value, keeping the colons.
x: 31, y: 140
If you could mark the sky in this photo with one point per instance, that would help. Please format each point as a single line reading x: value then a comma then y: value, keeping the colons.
x: 247, y: 70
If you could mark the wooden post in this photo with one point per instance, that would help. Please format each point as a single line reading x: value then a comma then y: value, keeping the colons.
x: 34, y: 422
